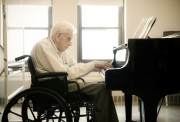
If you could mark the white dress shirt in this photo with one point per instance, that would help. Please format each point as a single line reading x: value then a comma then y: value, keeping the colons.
x: 48, y: 59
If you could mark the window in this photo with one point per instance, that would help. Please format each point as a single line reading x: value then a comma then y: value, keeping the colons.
x: 99, y: 31
x: 26, y: 24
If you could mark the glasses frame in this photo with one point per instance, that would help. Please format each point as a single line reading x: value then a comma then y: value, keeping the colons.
x: 68, y: 38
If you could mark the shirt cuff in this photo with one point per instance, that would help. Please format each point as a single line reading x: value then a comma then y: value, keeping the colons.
x: 91, y: 66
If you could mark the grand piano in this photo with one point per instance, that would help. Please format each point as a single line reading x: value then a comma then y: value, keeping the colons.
x: 151, y: 72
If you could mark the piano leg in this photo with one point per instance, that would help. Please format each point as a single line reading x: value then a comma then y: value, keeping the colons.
x: 141, y: 110
x: 149, y: 107
x: 128, y: 107
x: 148, y: 104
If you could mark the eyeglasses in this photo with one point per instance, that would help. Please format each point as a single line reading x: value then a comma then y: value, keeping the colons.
x: 68, y: 38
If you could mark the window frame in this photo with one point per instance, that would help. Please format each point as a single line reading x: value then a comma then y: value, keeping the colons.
x: 35, y: 28
x: 80, y: 28
x: 39, y: 28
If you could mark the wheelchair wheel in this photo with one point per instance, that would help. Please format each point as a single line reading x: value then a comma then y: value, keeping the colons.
x: 37, y: 105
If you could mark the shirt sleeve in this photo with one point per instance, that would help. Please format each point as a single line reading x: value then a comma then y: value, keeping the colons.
x: 48, y: 61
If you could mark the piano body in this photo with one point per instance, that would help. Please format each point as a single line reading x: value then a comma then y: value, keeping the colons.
x: 151, y: 72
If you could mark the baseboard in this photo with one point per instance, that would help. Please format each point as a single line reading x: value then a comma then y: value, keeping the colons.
x: 171, y: 99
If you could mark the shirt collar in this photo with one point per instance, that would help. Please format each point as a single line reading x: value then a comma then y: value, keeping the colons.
x: 54, y: 46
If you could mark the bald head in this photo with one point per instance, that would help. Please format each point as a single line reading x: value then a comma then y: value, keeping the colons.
x: 62, y: 27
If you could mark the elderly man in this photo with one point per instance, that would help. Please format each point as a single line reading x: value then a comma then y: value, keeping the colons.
x: 50, y: 55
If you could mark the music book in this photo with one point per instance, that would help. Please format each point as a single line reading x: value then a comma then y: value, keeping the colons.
x: 144, y: 27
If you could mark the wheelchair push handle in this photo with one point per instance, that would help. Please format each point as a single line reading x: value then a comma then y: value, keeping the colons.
x: 21, y: 57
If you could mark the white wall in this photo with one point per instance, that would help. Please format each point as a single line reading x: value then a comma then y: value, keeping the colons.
x: 166, y: 11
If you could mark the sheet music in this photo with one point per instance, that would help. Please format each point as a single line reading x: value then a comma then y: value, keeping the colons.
x: 144, y: 27
x: 141, y: 28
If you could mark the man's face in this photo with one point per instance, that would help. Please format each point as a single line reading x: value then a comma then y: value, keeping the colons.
x: 64, y: 41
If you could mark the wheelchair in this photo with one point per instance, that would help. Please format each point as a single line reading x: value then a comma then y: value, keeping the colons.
x: 48, y: 99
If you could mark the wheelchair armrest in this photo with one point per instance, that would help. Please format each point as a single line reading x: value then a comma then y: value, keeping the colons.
x: 78, y: 88
x: 80, y: 79
x: 52, y: 74
x: 21, y: 57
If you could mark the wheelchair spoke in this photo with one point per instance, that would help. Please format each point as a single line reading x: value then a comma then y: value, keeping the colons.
x: 19, y: 115
x: 30, y: 108
x: 11, y: 111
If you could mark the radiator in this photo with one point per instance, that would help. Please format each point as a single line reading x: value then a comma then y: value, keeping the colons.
x: 171, y: 99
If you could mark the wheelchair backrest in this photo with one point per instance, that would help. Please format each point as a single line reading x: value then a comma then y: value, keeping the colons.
x: 32, y: 70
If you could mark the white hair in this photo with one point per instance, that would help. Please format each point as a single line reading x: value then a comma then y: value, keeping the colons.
x: 62, y: 27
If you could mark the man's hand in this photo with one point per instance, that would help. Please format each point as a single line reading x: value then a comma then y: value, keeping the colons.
x: 102, y: 65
